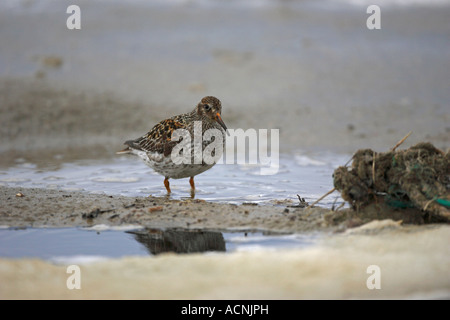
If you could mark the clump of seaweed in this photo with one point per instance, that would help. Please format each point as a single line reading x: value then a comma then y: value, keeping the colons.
x: 417, y: 177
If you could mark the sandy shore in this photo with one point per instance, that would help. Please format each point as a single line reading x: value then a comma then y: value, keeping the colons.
x: 54, y: 208
x: 413, y: 260
x: 317, y: 75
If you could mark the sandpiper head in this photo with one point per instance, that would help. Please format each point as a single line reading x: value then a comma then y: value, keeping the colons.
x: 211, y: 107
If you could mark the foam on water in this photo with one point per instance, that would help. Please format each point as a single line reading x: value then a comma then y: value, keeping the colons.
x: 243, y: 242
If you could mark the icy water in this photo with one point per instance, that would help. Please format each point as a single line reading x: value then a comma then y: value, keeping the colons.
x: 308, y: 176
x: 83, y: 245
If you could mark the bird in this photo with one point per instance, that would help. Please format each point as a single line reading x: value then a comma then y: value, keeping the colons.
x: 155, y: 147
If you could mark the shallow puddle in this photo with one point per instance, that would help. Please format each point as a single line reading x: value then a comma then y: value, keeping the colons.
x: 76, y: 245
x: 308, y: 176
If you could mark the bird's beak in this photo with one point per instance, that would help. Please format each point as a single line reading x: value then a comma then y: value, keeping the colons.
x: 220, y: 121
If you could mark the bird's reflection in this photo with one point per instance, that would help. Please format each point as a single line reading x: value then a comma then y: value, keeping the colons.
x: 179, y: 241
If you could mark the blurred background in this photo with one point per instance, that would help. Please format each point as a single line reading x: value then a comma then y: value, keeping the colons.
x: 309, y: 68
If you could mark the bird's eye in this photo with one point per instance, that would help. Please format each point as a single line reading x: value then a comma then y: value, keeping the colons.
x: 207, y: 107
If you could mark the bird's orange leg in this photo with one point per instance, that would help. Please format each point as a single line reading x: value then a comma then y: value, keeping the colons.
x: 191, y: 182
x: 167, y: 185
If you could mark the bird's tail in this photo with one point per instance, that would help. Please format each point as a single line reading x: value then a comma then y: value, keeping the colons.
x: 124, y: 151
x: 131, y: 146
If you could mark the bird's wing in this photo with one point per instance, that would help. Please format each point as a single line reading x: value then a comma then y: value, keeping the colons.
x: 159, y: 138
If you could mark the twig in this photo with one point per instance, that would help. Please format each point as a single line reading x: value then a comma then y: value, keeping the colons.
x: 326, y: 194
x: 373, y: 168
x: 334, y: 203
x: 337, y: 209
x: 346, y: 164
x: 428, y: 203
x: 401, y: 141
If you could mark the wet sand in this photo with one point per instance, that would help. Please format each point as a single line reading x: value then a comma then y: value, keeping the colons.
x: 413, y: 259
x: 320, y: 77
x: 27, y: 207
x: 53, y: 208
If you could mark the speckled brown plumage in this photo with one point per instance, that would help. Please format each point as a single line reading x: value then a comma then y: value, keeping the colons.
x: 155, y: 147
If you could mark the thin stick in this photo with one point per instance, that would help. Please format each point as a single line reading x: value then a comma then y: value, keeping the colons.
x: 401, y: 141
x: 373, y: 168
x: 337, y: 209
x: 428, y: 203
x: 326, y: 194
x: 334, y: 202
x: 345, y: 165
